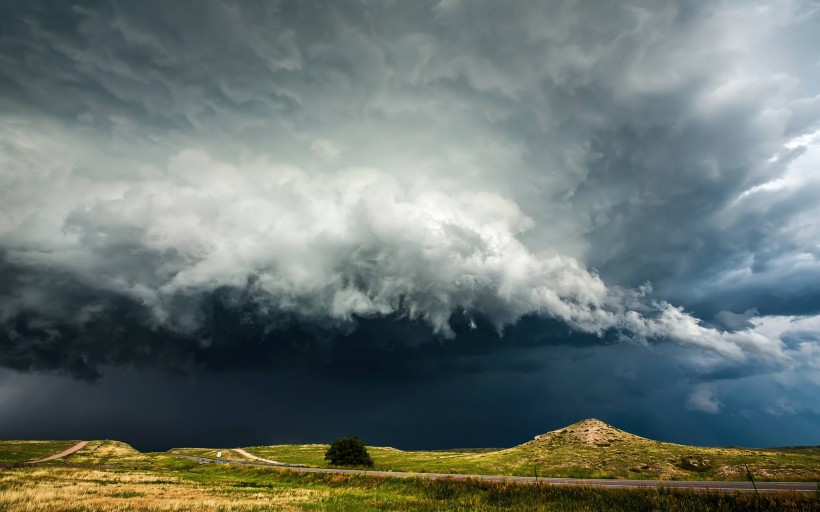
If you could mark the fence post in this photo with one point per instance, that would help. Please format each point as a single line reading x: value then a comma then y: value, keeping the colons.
x: 752, y: 479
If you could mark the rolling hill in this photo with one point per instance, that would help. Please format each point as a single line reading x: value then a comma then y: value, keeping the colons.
x: 108, y: 452
x: 587, y: 449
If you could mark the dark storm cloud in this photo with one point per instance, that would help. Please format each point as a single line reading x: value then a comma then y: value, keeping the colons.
x: 407, y: 191
x: 235, y: 336
x: 635, y: 389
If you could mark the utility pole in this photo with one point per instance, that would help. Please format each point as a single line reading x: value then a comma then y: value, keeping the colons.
x: 751, y: 478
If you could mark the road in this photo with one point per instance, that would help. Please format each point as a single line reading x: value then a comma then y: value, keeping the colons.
x: 611, y: 484
x: 249, y: 455
x: 68, y: 451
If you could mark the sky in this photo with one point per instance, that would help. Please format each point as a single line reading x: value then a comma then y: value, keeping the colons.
x: 430, y: 224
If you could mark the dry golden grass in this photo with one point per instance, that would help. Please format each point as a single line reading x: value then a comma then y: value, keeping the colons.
x: 79, y: 489
x: 176, y: 484
x: 108, y: 452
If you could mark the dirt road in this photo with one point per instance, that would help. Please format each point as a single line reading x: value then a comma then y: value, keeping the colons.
x: 68, y: 451
x: 249, y: 455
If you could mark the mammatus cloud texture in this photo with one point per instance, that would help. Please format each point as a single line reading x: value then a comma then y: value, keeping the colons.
x: 198, y: 174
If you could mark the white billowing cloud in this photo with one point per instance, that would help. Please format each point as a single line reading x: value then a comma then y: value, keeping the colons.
x: 675, y: 324
x: 779, y: 326
x: 704, y: 399
x: 800, y: 334
x: 358, y: 242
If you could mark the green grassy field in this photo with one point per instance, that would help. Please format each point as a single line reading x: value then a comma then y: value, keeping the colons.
x: 588, y: 449
x: 19, y: 451
x: 169, y: 483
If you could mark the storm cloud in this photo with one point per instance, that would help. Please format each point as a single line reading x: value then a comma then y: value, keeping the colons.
x: 275, y: 185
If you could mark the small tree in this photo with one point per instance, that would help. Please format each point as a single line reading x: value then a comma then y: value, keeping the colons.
x: 348, y: 451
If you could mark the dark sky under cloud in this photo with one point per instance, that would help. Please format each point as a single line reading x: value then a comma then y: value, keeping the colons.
x: 430, y: 224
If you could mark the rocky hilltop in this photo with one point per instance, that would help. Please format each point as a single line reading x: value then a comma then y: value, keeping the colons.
x: 590, y: 432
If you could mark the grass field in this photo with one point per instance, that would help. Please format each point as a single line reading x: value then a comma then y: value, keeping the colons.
x: 110, y: 475
x: 176, y: 484
x: 588, y: 449
x: 19, y: 451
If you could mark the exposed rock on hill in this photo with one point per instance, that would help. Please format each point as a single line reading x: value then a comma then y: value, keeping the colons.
x: 590, y: 432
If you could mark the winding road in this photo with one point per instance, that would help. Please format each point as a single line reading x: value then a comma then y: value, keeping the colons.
x: 592, y: 482
x: 249, y: 455
x: 65, y: 453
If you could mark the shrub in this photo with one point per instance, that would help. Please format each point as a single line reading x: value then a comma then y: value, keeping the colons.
x: 348, y: 451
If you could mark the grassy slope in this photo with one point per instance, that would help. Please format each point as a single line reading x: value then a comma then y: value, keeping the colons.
x: 19, y: 451
x: 109, y: 452
x: 177, y: 484
x: 588, y: 449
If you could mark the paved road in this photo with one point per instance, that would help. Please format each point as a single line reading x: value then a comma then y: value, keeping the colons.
x: 678, y: 484
x: 68, y: 451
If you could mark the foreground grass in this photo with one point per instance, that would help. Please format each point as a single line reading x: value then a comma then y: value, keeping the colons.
x: 588, y: 449
x: 176, y: 484
x: 19, y: 451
